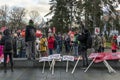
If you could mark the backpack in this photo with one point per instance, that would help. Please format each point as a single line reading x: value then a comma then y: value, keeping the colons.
x: 89, y: 42
x: 8, y: 44
x: 32, y: 32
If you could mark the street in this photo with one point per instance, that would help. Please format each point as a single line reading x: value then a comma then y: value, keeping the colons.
x: 60, y: 74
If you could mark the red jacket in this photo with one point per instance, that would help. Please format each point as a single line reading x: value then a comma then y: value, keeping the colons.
x: 114, y: 46
x: 51, y: 42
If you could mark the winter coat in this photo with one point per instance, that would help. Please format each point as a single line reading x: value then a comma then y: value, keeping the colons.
x: 28, y: 37
x: 43, y: 45
x: 82, y: 38
x: 114, y: 45
x: 103, y: 41
x: 51, y: 42
x: 7, y: 34
x: 97, y: 42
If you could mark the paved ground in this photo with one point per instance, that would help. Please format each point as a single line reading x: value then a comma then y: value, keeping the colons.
x: 60, y: 74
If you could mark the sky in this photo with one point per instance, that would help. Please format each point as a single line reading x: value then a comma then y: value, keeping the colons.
x: 41, y: 5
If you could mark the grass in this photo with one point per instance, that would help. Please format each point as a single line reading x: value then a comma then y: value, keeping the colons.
x: 108, y: 44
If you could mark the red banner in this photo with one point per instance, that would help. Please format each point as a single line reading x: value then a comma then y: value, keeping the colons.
x: 99, y: 57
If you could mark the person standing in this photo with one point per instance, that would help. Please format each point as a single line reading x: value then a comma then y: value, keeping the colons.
x: 103, y: 45
x: 67, y: 44
x: 7, y: 41
x: 59, y: 41
x: 114, y: 45
x: 43, y: 46
x: 82, y: 38
x: 75, y: 44
x: 30, y: 38
x: 51, y: 41
x: 97, y: 43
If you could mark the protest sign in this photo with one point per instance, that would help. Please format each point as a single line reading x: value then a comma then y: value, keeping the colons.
x: 42, y: 59
x: 55, y: 56
x: 68, y: 58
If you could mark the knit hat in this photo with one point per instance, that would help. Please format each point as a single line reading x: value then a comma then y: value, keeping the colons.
x: 31, y: 21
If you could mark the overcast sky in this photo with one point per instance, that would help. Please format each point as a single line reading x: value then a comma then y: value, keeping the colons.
x: 41, y: 5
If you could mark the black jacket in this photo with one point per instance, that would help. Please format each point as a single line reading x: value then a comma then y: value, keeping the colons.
x: 28, y: 37
x: 7, y: 34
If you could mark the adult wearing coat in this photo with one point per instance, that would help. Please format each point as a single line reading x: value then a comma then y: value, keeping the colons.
x: 43, y: 46
x: 51, y: 41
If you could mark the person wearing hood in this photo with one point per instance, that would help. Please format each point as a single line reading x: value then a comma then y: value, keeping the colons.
x: 7, y: 42
x: 30, y: 39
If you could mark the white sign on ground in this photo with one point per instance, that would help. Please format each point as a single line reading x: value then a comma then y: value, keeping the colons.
x: 68, y: 58
x: 42, y: 59
x: 55, y: 56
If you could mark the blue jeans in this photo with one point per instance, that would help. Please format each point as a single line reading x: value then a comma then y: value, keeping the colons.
x: 58, y: 49
x: 30, y: 49
x: 76, y: 50
x: 50, y: 51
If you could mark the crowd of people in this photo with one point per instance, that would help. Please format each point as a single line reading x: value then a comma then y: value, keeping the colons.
x: 32, y: 47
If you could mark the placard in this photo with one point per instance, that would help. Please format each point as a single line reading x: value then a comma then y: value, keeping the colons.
x: 55, y: 56
x: 97, y: 30
x: 42, y: 59
x: 68, y: 58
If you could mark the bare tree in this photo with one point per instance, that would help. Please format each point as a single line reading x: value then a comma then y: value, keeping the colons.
x: 35, y: 16
x: 4, y: 15
x: 16, y: 17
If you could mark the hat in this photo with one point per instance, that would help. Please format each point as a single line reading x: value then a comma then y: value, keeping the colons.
x: 114, y: 37
x: 31, y: 21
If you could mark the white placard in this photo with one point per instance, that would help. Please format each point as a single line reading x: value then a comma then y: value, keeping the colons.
x: 68, y: 58
x: 42, y: 59
x: 55, y: 56
x: 97, y: 30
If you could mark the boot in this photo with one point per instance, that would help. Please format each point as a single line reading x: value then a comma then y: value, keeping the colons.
x: 12, y: 69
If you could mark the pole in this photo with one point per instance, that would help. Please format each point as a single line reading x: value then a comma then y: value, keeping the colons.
x: 75, y: 65
x: 67, y: 66
x: 43, y: 67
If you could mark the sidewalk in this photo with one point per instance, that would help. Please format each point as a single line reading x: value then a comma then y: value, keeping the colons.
x: 60, y: 74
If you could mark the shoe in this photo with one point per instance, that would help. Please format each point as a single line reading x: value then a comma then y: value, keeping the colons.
x: 12, y: 70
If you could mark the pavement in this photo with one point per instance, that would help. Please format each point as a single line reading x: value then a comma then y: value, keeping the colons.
x: 32, y: 73
x: 60, y: 74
